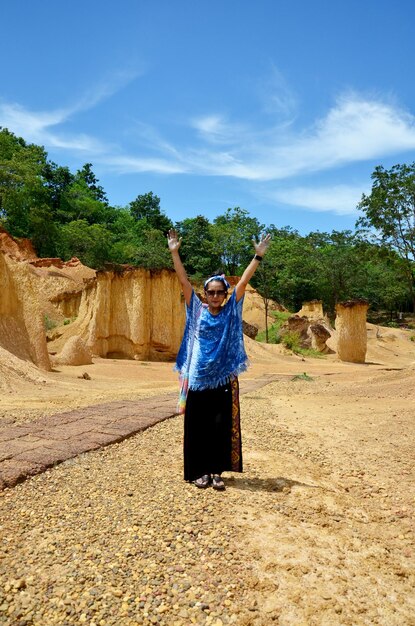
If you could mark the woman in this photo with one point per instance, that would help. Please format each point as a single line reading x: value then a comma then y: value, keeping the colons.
x: 211, y: 356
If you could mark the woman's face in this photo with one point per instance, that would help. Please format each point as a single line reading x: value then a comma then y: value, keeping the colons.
x: 215, y: 293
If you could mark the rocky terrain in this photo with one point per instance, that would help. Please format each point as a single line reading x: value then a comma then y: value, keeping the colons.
x: 317, y: 530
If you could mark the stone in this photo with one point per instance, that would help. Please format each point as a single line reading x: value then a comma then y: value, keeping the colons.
x: 251, y: 330
x: 74, y: 352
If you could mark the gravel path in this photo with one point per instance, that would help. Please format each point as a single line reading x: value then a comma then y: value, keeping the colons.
x: 315, y: 532
x: 116, y: 537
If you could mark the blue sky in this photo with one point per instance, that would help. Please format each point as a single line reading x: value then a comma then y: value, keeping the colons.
x: 281, y: 107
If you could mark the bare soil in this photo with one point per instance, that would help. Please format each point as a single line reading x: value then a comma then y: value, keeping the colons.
x: 323, y: 514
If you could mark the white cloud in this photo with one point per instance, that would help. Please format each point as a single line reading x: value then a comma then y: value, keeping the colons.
x: 339, y: 199
x: 105, y: 88
x: 215, y: 129
x: 151, y: 139
x: 21, y: 121
x: 276, y: 96
x: 354, y: 130
x: 36, y: 126
x: 131, y: 165
x: 211, y: 124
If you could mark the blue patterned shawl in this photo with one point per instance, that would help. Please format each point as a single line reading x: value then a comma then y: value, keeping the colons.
x: 212, y: 348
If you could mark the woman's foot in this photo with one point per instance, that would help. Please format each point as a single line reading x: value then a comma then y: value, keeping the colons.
x: 217, y: 482
x: 202, y: 482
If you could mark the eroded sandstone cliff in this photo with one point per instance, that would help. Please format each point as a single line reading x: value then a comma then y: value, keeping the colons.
x: 126, y: 313
x: 26, y: 286
x: 21, y: 316
x: 135, y: 314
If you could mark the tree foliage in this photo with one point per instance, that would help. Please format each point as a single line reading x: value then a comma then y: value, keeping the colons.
x: 232, y: 235
x: 21, y: 182
x: 198, y: 249
x: 389, y: 214
x: 147, y: 206
x: 91, y: 243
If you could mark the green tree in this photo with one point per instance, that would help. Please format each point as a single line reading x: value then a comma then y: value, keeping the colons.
x: 385, y: 285
x: 87, y: 175
x: 147, y: 206
x: 43, y: 231
x: 57, y: 179
x: 78, y: 202
x: 389, y: 214
x: 126, y: 238
x: 137, y: 243
x: 339, y: 267
x: 198, y: 249
x: 91, y: 243
x: 264, y: 278
x: 232, y: 238
x: 152, y: 251
x: 21, y: 182
x: 294, y: 271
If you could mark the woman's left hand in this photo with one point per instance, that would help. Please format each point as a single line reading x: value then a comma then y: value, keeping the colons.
x: 261, y: 246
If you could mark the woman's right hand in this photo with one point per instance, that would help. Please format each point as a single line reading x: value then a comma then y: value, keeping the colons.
x: 173, y: 240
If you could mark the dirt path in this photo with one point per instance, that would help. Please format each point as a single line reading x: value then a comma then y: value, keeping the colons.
x: 317, y: 531
x: 330, y: 516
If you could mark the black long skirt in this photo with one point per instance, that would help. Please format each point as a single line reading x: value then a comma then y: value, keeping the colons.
x: 212, y: 431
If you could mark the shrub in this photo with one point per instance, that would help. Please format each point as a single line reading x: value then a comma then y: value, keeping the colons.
x: 303, y: 376
x: 311, y: 352
x: 274, y: 330
x: 273, y: 334
x: 291, y: 340
x: 49, y: 324
x: 281, y: 316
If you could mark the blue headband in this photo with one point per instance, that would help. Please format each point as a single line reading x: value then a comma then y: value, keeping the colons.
x: 217, y: 277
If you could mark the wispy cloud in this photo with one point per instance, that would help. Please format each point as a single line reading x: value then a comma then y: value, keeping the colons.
x: 338, y: 199
x: 131, y: 165
x: 29, y: 123
x: 43, y: 126
x: 38, y: 127
x: 151, y: 139
x: 105, y: 88
x: 216, y: 129
x: 276, y: 96
x: 355, y: 129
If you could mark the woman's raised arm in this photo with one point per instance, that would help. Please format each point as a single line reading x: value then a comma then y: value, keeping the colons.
x: 174, y: 243
x: 260, y: 249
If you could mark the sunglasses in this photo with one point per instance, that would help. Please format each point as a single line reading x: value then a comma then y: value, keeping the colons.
x: 215, y: 292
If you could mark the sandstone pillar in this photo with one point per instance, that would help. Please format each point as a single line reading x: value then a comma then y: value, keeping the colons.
x: 351, y: 330
x: 313, y: 309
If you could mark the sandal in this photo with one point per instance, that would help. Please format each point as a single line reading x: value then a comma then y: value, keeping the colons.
x: 202, y: 482
x: 217, y: 482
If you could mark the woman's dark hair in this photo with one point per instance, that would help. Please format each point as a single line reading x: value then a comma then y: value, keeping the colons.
x: 220, y: 276
x: 217, y: 272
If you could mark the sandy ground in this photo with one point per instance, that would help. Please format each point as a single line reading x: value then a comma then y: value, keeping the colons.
x: 318, y: 530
